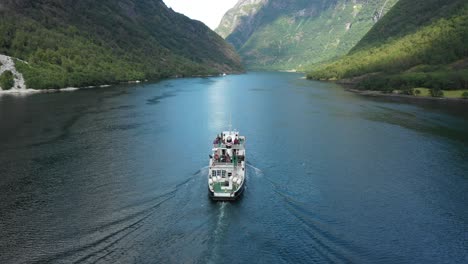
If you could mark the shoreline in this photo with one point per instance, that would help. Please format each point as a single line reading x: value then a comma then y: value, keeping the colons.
x: 29, y: 91
x: 371, y: 93
x: 350, y: 84
x: 20, y: 88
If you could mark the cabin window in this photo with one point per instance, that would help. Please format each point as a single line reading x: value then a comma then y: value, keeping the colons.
x: 213, y: 173
x: 219, y: 173
x: 224, y: 173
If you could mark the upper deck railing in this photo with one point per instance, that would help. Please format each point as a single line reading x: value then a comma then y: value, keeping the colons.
x: 225, y: 146
x: 231, y: 145
x: 236, y: 161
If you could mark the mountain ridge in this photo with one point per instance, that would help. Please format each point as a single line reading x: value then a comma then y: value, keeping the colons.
x: 286, y: 35
x: 417, y: 44
x: 81, y: 43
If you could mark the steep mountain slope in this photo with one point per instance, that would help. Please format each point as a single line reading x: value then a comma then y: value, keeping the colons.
x: 78, y: 43
x: 417, y: 44
x: 241, y: 21
x: 283, y: 35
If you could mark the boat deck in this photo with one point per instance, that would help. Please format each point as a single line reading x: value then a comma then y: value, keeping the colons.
x: 226, y: 165
x: 218, y: 188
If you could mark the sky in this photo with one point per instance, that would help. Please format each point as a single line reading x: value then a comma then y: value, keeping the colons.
x: 209, y: 12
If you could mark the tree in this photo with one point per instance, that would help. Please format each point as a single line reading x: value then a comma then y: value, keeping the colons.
x: 436, y: 92
x: 7, y: 80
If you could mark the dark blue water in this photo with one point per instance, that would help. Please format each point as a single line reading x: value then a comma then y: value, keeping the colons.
x: 119, y: 175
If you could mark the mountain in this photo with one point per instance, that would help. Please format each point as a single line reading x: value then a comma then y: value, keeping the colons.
x: 290, y: 34
x: 419, y: 43
x: 79, y: 43
x: 241, y: 19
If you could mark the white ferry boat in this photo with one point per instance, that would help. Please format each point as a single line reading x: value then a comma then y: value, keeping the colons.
x: 226, y: 176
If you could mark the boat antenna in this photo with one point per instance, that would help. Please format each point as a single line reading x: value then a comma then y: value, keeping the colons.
x: 230, y: 122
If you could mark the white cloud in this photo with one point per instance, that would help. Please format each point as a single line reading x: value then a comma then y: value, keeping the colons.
x: 209, y: 12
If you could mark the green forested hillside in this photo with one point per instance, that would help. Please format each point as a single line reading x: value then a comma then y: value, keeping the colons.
x: 285, y: 35
x: 80, y: 43
x: 417, y: 44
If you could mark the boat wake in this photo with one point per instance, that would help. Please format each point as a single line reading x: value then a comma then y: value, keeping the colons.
x: 257, y: 172
x: 327, y: 244
x: 126, y: 226
x: 324, y: 244
x: 218, y: 233
x: 201, y: 172
x: 317, y: 227
x: 220, y: 224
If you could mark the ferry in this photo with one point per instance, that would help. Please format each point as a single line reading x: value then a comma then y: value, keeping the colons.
x: 226, y: 176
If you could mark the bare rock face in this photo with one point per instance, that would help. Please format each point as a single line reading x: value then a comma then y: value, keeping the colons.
x: 241, y: 17
x: 7, y: 64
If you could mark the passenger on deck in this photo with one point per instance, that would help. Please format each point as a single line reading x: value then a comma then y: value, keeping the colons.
x: 229, y: 142
x: 236, y: 141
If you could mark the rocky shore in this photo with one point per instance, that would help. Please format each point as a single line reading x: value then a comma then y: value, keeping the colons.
x: 7, y: 64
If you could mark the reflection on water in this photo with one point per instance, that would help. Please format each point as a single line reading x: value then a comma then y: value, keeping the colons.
x: 119, y: 175
x: 436, y: 124
x: 219, y: 105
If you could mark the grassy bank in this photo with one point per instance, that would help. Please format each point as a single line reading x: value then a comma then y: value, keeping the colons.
x: 426, y: 92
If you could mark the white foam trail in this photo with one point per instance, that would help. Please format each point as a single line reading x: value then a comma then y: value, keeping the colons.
x: 217, y: 234
x: 257, y: 172
x: 219, y: 224
x: 203, y: 171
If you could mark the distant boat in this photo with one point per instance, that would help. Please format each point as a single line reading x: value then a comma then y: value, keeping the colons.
x: 226, y: 176
x: 224, y: 74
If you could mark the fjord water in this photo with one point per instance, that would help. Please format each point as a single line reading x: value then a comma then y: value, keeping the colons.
x: 119, y: 174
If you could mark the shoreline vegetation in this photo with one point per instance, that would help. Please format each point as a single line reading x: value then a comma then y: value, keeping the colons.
x: 397, y: 94
x: 7, y: 80
x: 417, y: 50
x: 10, y: 78
x: 353, y: 85
x: 94, y: 43
x: 12, y: 81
